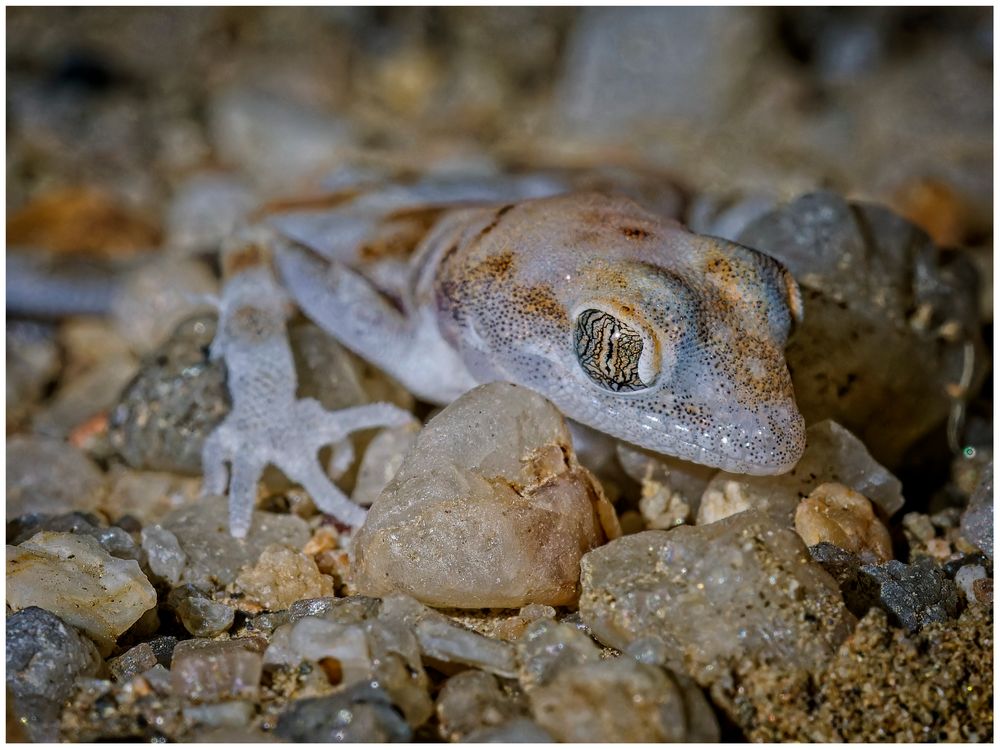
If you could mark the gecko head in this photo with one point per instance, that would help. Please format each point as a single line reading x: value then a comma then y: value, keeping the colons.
x: 688, y: 360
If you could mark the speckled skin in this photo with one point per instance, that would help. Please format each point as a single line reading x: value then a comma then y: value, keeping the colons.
x: 494, y: 293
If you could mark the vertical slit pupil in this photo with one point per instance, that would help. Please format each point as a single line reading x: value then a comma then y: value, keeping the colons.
x: 608, y: 351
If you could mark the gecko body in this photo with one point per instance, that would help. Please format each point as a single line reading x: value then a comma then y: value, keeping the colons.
x: 631, y: 324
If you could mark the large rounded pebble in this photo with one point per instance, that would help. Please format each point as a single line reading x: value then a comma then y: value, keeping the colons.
x: 489, y: 509
x: 616, y: 700
x: 76, y: 579
x: 215, y: 557
x: 44, y: 658
x: 727, y: 594
x: 832, y: 454
x: 49, y: 476
x: 360, y: 713
x: 836, y: 514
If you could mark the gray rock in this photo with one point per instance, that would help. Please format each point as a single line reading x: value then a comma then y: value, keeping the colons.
x: 178, y: 397
x: 32, y: 363
x: 164, y: 553
x: 913, y: 595
x: 205, y: 618
x: 731, y: 594
x: 46, y: 475
x: 114, y: 540
x: 977, y: 520
x: 473, y: 701
x: 518, y: 730
x: 214, y: 556
x: 134, y: 661
x: 44, y: 658
x: 887, y: 318
x: 359, y: 713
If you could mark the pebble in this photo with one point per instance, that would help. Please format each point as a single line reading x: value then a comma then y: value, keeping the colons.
x: 473, y: 701
x: 966, y: 579
x: 547, y: 647
x: 202, y: 616
x: 977, y: 520
x: 832, y: 454
x: 205, y: 208
x: 214, y: 556
x: 281, y: 577
x: 360, y: 713
x: 166, y: 558
x: 115, y: 540
x: 45, y: 655
x: 614, y: 700
x: 46, y: 475
x: 207, y: 671
x: 155, y: 297
x: 719, y: 596
x: 178, y: 397
x: 133, y: 662
x: 321, y: 642
x: 233, y: 714
x: 489, y: 509
x: 73, y: 577
x: 887, y: 317
x: 518, y: 730
x: 836, y: 514
x: 32, y: 365
x: 913, y: 595
x: 382, y: 459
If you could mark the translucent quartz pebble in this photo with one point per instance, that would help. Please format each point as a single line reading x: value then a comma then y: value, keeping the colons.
x: 489, y: 509
x: 519, y: 730
x: 206, y: 671
x: 47, y: 475
x: 547, y: 646
x: 204, y: 210
x: 313, y: 639
x: 614, y: 700
x: 281, y: 577
x: 740, y: 590
x: 164, y: 553
x: 832, y: 454
x: 382, y: 459
x: 473, y: 701
x: 73, y: 577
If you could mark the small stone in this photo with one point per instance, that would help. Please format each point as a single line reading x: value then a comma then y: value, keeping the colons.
x: 982, y: 589
x: 114, y: 540
x: 381, y: 461
x: 147, y: 496
x: 518, y: 730
x: 178, y: 397
x: 493, y: 513
x: 203, y: 617
x: 166, y: 558
x: 548, y: 647
x: 226, y: 714
x: 966, y: 579
x: 360, y: 713
x: 473, y: 701
x: 281, y: 577
x: 44, y: 657
x: 977, y: 520
x: 133, y: 662
x: 215, y: 557
x: 315, y: 640
x: 832, y: 455
x: 206, y: 671
x: 46, y: 475
x: 445, y: 642
x: 616, y: 700
x: 836, y: 514
x: 154, y: 298
x: 913, y: 595
x: 729, y: 594
x: 32, y: 364
x: 919, y: 526
x: 205, y: 209
x: 73, y: 577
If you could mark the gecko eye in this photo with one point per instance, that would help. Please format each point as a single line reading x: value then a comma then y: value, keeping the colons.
x: 611, y: 352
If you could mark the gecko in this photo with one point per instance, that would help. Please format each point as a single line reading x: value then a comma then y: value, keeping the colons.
x: 627, y: 321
